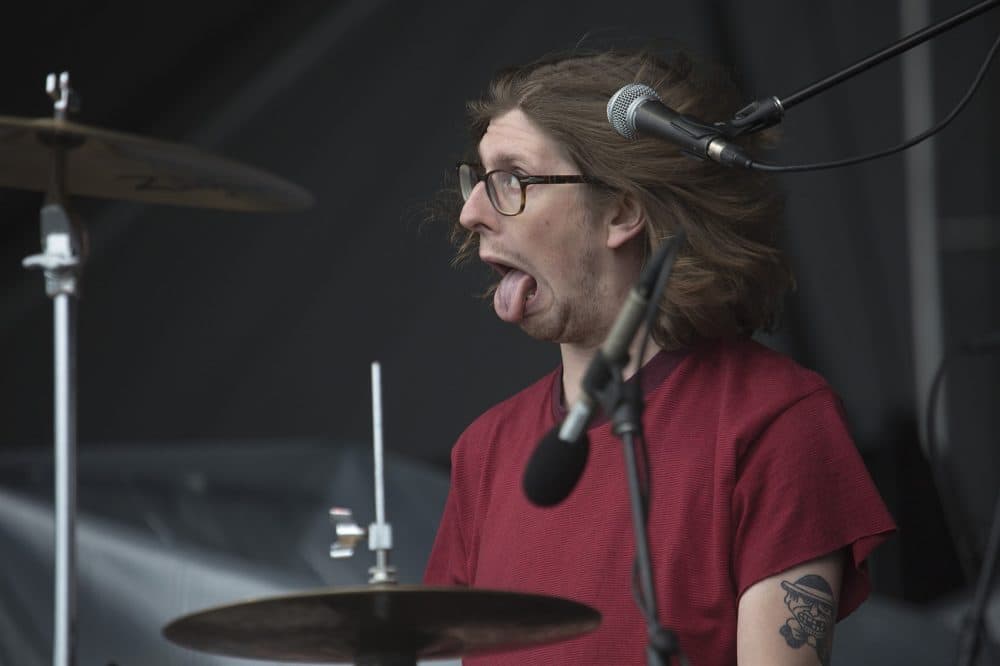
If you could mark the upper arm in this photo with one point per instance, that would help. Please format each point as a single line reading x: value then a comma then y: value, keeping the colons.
x: 787, y: 619
x: 447, y: 564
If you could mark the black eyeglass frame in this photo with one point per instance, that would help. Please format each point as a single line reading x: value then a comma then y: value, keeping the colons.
x: 483, y: 176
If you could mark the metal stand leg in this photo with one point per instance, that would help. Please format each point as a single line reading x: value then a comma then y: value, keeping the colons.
x: 61, y: 265
x: 65, y: 492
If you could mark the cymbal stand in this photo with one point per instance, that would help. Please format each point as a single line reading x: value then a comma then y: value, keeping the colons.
x: 62, y: 264
x: 379, y: 533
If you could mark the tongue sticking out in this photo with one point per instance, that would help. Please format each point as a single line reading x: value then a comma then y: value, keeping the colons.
x: 512, y: 293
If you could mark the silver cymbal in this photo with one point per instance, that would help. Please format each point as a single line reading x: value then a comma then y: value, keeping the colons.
x: 382, y: 624
x: 112, y: 165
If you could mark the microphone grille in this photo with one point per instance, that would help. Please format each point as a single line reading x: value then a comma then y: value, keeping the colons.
x: 622, y: 106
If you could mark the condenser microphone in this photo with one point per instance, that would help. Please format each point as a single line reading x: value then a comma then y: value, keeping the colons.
x: 636, y: 109
x: 559, y: 459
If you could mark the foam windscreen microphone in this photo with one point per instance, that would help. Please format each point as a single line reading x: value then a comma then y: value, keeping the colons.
x: 554, y: 468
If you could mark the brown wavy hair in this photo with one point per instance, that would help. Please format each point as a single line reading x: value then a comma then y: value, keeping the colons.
x: 730, y: 277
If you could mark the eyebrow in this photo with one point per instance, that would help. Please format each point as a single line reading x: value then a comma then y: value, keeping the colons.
x: 506, y: 160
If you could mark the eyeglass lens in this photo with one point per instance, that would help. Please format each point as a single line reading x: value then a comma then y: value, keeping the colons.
x: 502, y: 187
x: 467, y: 179
x: 506, y: 191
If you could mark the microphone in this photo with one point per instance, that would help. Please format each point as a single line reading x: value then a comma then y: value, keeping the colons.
x: 559, y: 459
x: 637, y: 109
x: 554, y: 469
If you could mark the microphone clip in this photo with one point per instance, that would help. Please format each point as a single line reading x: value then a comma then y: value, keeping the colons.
x: 754, y: 117
x: 620, y: 400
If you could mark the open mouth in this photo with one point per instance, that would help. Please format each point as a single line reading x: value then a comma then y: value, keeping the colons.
x: 503, y: 270
x: 514, y: 292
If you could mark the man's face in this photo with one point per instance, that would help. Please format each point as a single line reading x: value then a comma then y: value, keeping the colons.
x: 551, y: 256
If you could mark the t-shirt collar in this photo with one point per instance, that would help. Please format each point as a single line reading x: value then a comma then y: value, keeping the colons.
x: 654, y: 373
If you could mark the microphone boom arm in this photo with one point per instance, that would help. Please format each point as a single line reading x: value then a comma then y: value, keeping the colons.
x: 769, y: 111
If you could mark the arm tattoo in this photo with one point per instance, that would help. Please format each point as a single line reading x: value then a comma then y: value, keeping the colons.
x: 811, y: 603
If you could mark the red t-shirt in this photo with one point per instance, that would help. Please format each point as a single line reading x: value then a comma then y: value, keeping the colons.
x: 753, y: 471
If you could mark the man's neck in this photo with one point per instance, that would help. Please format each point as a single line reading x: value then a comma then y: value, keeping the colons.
x: 575, y: 360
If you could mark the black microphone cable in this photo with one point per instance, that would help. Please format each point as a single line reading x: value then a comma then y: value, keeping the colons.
x: 969, y: 642
x: 962, y: 531
x: 635, y: 393
x: 652, y: 313
x: 980, y: 75
x: 717, y: 141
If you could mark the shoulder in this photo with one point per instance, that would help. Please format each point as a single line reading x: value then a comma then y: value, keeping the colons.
x: 747, y: 384
x: 500, y: 440
x: 741, y: 364
x: 525, y: 409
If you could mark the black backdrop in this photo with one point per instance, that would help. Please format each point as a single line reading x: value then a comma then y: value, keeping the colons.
x: 209, y: 325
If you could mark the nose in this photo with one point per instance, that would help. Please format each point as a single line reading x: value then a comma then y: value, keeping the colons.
x: 478, y: 213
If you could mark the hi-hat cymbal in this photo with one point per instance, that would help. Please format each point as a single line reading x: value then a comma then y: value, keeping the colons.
x: 112, y: 165
x: 382, y: 624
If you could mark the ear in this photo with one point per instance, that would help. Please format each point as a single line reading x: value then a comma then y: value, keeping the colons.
x: 628, y: 219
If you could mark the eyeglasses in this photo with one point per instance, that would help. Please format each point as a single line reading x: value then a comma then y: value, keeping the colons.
x: 506, y: 190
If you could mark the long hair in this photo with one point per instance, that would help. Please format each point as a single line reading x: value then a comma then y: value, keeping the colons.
x: 729, y: 278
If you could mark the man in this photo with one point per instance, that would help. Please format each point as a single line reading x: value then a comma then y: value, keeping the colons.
x: 761, y: 511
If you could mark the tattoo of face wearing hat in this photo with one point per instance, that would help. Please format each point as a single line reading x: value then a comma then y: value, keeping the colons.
x: 811, y: 603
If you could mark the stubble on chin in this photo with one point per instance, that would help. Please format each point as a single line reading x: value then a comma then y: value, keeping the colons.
x: 575, y: 318
x: 547, y: 326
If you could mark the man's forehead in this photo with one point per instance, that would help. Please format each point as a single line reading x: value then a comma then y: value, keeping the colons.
x: 512, y: 139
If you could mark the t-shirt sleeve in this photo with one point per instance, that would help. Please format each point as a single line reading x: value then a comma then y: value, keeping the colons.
x: 802, y: 491
x: 447, y: 563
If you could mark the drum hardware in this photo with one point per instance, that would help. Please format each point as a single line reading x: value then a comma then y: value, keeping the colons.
x: 60, y: 157
x: 349, y: 534
x: 382, y: 624
x: 100, y: 163
x: 385, y: 623
x: 379, y: 533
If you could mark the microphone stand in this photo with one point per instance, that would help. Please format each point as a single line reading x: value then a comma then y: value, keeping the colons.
x: 768, y: 111
x: 624, y: 403
x: 62, y: 264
